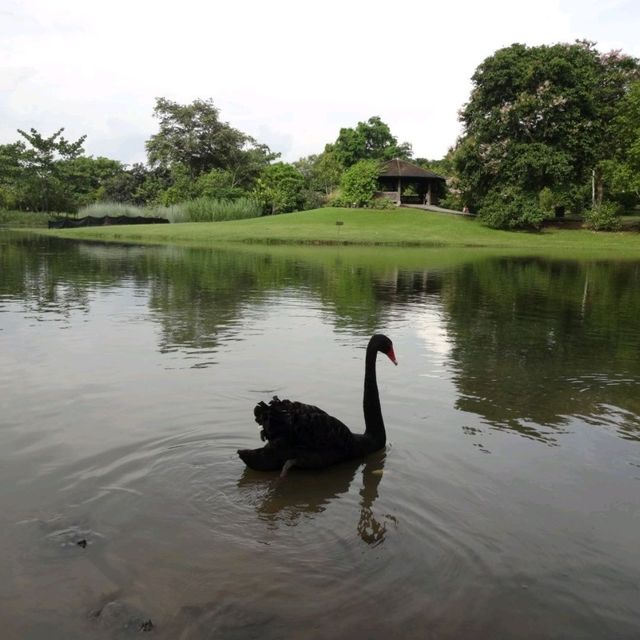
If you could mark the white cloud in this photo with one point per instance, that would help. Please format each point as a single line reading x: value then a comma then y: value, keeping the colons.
x: 289, y: 73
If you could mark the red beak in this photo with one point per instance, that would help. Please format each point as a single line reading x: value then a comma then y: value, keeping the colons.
x: 392, y: 356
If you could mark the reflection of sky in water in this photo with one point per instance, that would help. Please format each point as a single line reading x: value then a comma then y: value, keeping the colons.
x: 430, y: 327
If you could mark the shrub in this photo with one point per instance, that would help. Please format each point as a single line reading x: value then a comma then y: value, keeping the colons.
x: 382, y: 203
x: 603, y: 217
x: 218, y: 184
x: 312, y: 199
x: 280, y: 188
x: 452, y: 201
x: 359, y: 183
x: 546, y: 201
x: 551, y: 201
x: 335, y: 199
x: 510, y: 208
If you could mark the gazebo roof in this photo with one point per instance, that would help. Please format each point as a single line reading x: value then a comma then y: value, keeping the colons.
x: 401, y: 168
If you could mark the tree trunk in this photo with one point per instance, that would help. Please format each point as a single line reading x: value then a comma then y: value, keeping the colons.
x: 597, y: 186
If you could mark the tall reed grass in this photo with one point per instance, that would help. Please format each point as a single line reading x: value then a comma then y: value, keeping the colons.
x: 197, y: 210
x: 100, y: 209
x: 173, y: 212
x: 215, y: 210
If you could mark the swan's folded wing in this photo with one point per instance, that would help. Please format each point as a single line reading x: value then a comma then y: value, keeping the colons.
x: 301, y: 425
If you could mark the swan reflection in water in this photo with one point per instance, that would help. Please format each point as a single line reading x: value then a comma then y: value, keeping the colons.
x: 305, y: 494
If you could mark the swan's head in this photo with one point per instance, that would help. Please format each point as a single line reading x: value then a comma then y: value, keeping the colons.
x: 384, y: 345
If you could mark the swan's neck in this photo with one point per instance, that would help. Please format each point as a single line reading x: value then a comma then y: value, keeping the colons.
x: 371, y: 401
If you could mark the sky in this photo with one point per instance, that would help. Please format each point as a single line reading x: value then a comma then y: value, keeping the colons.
x: 289, y: 73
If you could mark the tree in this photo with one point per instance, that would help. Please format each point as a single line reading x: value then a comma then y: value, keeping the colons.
x: 618, y: 117
x: 537, y: 119
x: 194, y: 137
x: 280, y: 188
x: 128, y: 185
x: 41, y: 163
x: 218, y: 183
x: 86, y: 178
x: 622, y: 170
x: 182, y: 186
x: 370, y: 140
x: 443, y: 167
x: 327, y: 171
x: 359, y: 182
x: 321, y: 172
x: 10, y: 173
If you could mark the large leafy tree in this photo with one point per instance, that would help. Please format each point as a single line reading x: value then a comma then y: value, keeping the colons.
x: 370, y: 140
x: 194, y: 137
x: 538, y: 118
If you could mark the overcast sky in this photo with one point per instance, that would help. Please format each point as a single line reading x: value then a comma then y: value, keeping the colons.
x: 290, y: 73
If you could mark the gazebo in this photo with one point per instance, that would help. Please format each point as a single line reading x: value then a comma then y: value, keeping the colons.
x: 406, y: 183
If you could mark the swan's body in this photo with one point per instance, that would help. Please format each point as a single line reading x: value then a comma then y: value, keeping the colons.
x: 305, y: 436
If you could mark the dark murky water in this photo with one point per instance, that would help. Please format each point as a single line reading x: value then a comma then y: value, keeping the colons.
x: 506, y: 505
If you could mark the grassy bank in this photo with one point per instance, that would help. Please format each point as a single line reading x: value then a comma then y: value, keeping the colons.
x: 365, y: 227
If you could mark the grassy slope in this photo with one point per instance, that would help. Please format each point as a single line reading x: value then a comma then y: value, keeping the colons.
x: 395, y: 227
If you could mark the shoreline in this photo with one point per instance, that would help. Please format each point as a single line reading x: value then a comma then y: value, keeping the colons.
x: 333, y: 227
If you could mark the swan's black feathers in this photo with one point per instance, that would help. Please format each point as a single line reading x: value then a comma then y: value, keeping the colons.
x: 299, y: 425
x: 307, y: 437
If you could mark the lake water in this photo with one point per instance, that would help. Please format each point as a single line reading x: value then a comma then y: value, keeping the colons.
x: 506, y: 503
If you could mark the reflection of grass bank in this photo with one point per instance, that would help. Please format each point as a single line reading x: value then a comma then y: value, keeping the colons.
x: 396, y: 227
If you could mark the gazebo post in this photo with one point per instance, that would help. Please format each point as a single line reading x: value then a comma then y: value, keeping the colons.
x: 399, y: 190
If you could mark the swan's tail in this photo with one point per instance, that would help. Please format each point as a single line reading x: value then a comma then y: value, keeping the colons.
x: 263, y: 459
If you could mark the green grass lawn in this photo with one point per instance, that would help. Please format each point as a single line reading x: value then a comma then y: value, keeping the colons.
x: 366, y: 227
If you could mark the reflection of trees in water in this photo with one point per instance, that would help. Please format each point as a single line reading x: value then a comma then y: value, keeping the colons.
x: 196, y: 295
x: 306, y: 494
x: 33, y: 273
x: 536, y: 342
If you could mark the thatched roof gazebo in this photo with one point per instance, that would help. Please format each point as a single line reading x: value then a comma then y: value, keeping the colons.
x: 407, y: 183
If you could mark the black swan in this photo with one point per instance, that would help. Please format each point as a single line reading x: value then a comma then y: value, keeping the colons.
x: 301, y: 435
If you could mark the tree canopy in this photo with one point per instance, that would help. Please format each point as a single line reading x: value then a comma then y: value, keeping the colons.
x: 33, y: 172
x: 370, y: 140
x: 538, y: 117
x: 622, y: 169
x: 194, y: 137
